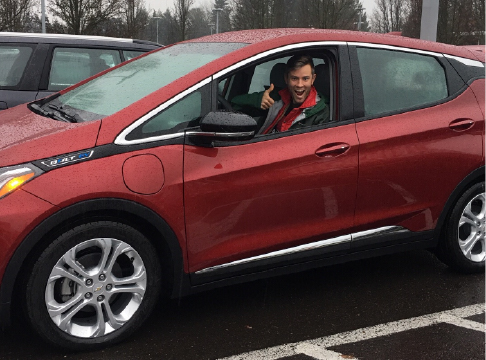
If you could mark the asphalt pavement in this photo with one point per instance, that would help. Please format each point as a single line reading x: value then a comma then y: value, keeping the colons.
x: 306, y: 313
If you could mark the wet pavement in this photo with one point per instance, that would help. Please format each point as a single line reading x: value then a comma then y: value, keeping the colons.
x: 300, y: 308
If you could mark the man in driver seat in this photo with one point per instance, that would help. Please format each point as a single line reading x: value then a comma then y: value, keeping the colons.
x: 299, y: 106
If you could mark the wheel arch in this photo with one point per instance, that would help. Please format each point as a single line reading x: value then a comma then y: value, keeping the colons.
x: 128, y: 212
x: 471, y: 179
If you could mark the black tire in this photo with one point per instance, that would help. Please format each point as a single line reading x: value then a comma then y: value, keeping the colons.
x: 462, y: 246
x: 102, y: 312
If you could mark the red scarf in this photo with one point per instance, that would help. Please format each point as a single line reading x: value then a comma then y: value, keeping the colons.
x: 283, y: 122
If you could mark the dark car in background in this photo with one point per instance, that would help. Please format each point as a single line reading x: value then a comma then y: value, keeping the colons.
x: 36, y: 65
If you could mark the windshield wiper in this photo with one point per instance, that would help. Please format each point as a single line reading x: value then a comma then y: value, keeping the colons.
x: 60, y: 112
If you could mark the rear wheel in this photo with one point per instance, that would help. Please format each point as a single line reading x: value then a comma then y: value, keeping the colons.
x: 463, y: 246
x: 93, y: 286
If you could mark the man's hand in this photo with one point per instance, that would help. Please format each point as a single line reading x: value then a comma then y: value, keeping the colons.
x: 267, y: 101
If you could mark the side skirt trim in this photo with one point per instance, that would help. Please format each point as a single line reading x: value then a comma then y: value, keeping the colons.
x: 386, y: 230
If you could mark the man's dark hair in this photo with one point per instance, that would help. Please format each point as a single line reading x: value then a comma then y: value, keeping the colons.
x: 298, y: 61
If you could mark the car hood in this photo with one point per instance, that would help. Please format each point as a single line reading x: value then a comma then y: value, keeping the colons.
x: 26, y: 136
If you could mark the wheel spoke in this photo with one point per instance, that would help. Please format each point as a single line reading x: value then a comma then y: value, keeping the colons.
x: 59, y: 272
x: 70, y: 259
x: 114, y: 322
x: 135, y: 278
x: 118, y: 249
x: 469, y: 214
x: 106, y: 247
x: 467, y: 220
x: 100, y: 321
x: 468, y: 244
x: 55, y: 309
x: 65, y: 322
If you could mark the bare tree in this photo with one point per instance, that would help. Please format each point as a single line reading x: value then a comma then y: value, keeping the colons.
x: 136, y: 18
x: 181, y: 15
x: 84, y: 16
x: 14, y: 14
x: 389, y: 15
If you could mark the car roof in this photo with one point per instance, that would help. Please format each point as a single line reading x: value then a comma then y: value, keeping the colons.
x: 279, y: 37
x: 76, y: 39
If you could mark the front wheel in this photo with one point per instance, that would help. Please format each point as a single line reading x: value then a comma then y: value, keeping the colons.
x: 93, y: 286
x: 463, y: 246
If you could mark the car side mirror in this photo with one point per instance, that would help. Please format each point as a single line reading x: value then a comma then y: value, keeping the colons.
x: 226, y: 126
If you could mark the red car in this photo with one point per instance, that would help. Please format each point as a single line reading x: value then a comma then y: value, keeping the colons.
x: 153, y: 178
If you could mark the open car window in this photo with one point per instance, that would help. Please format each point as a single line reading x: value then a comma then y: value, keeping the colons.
x: 244, y: 88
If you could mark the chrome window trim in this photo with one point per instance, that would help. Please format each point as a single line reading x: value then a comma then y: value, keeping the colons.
x: 121, y: 138
x: 465, y: 61
x: 395, y: 48
x: 220, y: 134
x: 274, y: 51
x: 312, y: 246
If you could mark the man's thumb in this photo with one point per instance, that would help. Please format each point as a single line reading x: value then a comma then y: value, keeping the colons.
x: 270, y: 89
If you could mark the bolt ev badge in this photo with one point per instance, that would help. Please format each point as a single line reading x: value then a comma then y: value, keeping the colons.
x: 66, y: 159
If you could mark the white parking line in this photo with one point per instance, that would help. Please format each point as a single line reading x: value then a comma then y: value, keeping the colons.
x: 317, y: 348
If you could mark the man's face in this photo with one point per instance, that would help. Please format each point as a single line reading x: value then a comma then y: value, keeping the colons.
x: 299, y: 82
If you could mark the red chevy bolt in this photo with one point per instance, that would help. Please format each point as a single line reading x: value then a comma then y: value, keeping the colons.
x: 234, y: 157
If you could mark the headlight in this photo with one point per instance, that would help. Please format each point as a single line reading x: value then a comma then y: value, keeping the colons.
x: 13, y: 177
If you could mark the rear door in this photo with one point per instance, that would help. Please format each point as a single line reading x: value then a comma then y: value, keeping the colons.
x: 420, y: 134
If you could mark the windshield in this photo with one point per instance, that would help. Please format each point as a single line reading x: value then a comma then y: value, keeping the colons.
x: 122, y: 87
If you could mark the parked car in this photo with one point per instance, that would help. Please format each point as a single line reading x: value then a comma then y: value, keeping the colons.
x: 145, y: 180
x: 34, y: 65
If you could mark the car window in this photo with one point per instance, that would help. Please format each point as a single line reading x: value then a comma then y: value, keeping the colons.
x: 139, y: 78
x: 185, y: 113
x: 72, y: 65
x: 13, y: 60
x: 130, y: 54
x: 394, y: 80
x: 244, y: 89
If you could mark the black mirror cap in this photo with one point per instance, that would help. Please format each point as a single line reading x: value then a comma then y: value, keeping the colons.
x: 227, y: 122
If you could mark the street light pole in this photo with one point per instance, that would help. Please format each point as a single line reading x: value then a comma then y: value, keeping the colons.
x: 217, y: 18
x: 43, y: 15
x: 359, y: 19
x: 156, y: 17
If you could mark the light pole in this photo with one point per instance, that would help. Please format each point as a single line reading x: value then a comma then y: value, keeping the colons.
x: 43, y: 15
x: 156, y: 17
x: 360, y: 9
x: 217, y: 18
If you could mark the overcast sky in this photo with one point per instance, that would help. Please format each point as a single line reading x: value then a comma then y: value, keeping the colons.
x: 164, y: 4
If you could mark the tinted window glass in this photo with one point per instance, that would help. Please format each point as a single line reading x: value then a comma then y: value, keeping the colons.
x: 13, y: 60
x: 394, y: 80
x: 130, y: 54
x: 72, y: 65
x: 127, y: 84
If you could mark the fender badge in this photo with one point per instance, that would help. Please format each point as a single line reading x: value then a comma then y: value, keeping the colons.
x: 66, y: 159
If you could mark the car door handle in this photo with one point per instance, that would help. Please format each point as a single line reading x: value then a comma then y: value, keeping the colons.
x: 332, y: 150
x: 461, y: 124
